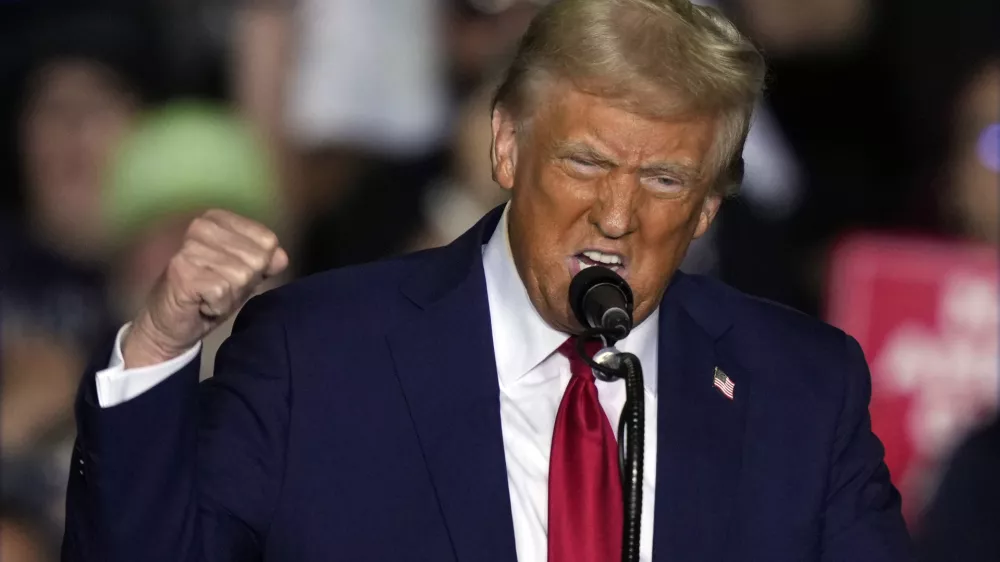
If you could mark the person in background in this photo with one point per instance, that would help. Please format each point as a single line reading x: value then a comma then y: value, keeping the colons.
x: 88, y: 75
x: 81, y: 80
x: 481, y: 35
x: 23, y: 538
x: 974, y: 169
x: 460, y: 197
x: 961, y: 521
x: 798, y: 26
x: 332, y: 86
x: 182, y: 159
x: 957, y: 195
x: 401, y: 205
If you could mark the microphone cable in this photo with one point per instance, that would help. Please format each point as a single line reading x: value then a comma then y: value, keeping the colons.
x: 631, y: 432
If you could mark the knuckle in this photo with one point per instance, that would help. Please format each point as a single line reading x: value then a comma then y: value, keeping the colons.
x: 189, y: 246
x: 216, y: 293
x: 257, y: 262
x: 197, y: 227
x: 244, y: 276
x: 210, y: 214
x: 269, y: 240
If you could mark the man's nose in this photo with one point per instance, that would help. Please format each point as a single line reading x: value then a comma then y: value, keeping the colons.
x: 613, y: 211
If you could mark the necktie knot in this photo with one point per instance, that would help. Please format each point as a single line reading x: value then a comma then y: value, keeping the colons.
x: 577, y: 365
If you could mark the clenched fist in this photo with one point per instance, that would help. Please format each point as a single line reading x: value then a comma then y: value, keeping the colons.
x: 224, y: 257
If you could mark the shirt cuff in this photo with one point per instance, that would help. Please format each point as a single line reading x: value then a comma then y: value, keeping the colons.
x: 116, y: 384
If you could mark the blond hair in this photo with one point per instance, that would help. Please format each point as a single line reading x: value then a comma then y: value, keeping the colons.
x: 660, y: 58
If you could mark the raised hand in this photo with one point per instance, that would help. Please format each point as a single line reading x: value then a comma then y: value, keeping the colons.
x: 224, y: 257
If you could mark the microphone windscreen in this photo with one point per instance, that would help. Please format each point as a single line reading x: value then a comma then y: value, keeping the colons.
x: 589, y: 278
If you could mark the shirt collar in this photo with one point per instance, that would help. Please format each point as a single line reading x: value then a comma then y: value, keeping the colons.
x: 521, y: 338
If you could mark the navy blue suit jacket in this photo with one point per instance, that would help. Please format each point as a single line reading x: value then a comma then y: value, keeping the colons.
x: 355, y: 415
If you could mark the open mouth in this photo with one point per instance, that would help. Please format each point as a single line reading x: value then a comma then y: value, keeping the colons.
x: 591, y: 258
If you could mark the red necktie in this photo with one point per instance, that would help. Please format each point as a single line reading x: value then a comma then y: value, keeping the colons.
x: 585, y: 495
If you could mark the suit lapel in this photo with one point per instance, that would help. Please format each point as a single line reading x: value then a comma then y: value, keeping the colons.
x: 699, y: 433
x: 446, y: 367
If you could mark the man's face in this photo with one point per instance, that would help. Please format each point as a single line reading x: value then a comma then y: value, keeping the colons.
x: 592, y: 182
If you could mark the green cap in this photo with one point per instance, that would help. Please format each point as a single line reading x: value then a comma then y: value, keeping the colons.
x: 187, y: 157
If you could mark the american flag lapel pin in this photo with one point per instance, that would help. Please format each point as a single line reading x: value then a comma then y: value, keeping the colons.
x: 722, y: 382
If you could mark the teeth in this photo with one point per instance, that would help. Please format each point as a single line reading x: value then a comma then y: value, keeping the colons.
x: 606, y: 259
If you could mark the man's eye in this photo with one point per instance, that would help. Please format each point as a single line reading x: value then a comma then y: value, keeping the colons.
x: 665, y: 185
x: 582, y: 163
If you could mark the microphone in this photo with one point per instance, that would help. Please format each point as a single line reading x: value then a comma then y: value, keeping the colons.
x: 602, y: 300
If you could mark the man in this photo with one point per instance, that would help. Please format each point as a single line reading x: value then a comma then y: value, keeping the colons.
x: 409, y: 409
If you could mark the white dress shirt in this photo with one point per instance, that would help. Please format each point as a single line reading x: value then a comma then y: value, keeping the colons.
x: 532, y: 377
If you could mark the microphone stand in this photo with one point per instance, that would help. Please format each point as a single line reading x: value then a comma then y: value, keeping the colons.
x: 611, y: 364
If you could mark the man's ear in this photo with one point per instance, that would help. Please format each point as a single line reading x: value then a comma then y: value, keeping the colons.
x: 709, y: 208
x: 503, y: 151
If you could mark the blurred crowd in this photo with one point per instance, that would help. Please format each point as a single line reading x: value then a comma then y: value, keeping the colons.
x: 359, y: 129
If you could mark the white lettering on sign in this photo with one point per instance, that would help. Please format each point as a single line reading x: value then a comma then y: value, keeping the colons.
x: 949, y: 370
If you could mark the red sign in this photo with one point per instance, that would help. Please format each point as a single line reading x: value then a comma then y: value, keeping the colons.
x: 926, y: 315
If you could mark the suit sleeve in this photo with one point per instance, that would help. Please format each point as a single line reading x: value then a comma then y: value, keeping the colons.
x: 863, y: 520
x: 186, y: 472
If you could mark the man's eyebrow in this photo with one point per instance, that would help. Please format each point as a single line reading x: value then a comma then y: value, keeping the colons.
x: 683, y: 170
x: 574, y: 148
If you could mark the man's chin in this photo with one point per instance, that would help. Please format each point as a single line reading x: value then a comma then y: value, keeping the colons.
x: 558, y: 315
